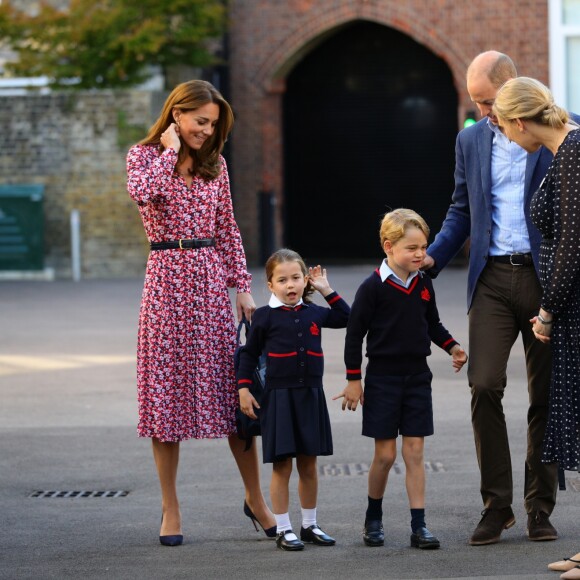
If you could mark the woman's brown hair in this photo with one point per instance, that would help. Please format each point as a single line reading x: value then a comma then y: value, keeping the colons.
x: 189, y: 96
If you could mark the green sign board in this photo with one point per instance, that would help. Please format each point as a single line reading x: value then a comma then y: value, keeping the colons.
x: 21, y: 227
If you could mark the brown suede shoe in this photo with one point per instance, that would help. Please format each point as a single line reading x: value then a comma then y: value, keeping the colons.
x: 539, y: 527
x: 491, y: 525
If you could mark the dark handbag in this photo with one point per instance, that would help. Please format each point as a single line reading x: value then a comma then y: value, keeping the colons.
x: 247, y: 427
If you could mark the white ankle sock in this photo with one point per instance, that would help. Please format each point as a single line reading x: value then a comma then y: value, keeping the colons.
x: 308, y: 517
x: 282, y: 522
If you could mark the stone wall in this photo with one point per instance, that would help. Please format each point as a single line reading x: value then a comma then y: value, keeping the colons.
x: 74, y: 143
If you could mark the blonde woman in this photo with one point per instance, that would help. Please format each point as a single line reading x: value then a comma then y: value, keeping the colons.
x: 528, y: 115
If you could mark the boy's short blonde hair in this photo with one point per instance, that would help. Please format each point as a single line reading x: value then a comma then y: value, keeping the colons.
x: 396, y: 222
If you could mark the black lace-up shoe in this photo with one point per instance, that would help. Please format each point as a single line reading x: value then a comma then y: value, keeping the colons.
x: 373, y: 533
x: 424, y: 539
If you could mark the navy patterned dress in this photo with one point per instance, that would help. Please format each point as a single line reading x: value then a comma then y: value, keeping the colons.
x: 555, y: 210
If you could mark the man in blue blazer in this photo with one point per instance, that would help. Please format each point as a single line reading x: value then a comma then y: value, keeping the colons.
x: 494, y: 182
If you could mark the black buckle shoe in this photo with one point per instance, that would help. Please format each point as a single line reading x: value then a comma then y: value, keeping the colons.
x: 320, y: 539
x: 373, y: 533
x: 424, y: 539
x: 290, y: 545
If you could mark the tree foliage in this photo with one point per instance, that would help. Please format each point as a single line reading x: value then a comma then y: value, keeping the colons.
x: 109, y: 43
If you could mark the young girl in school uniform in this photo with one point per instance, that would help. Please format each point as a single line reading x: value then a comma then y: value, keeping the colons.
x: 293, y: 414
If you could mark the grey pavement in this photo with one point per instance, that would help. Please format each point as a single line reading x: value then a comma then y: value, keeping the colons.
x: 67, y: 423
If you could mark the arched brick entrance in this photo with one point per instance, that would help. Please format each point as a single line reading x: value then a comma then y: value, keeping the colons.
x: 273, y: 76
x: 270, y: 39
x: 369, y: 125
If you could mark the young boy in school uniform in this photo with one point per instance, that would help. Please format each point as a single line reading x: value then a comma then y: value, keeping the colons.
x: 395, y: 310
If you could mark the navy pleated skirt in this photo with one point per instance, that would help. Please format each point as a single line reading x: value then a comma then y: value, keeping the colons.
x: 294, y: 422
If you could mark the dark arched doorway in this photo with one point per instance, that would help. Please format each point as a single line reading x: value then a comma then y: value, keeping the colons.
x: 370, y: 120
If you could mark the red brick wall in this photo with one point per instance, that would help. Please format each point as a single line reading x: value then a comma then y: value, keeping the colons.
x: 268, y: 37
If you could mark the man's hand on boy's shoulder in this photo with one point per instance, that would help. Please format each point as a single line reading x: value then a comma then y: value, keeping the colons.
x: 352, y: 394
x: 427, y: 263
x: 459, y: 357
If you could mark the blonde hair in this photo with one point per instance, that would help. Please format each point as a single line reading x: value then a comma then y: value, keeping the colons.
x: 189, y: 96
x: 529, y: 99
x: 287, y: 255
x: 395, y: 224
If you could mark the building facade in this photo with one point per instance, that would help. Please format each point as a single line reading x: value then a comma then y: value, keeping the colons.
x: 344, y: 109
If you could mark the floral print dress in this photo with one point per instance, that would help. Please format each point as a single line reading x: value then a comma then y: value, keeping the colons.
x: 186, y: 341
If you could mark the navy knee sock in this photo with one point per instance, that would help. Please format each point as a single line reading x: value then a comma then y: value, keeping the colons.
x: 417, y: 519
x: 375, y: 509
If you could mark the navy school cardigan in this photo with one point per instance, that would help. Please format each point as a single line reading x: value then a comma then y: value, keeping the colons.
x: 291, y: 339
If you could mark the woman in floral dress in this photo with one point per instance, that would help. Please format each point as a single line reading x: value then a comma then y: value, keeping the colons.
x: 185, y: 375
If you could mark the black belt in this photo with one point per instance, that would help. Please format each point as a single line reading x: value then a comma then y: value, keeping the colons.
x: 183, y: 244
x: 513, y: 259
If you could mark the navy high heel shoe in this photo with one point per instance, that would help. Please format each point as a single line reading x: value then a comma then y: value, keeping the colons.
x: 270, y: 532
x: 175, y: 540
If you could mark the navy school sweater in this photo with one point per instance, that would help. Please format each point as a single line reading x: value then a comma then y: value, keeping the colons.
x: 291, y: 339
x: 399, y: 325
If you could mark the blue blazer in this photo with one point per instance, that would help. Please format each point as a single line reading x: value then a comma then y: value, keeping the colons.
x: 469, y: 215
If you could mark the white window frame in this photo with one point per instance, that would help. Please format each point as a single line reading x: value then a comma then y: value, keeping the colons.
x: 559, y: 33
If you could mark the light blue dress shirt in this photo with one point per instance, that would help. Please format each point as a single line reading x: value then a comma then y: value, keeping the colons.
x: 509, y: 232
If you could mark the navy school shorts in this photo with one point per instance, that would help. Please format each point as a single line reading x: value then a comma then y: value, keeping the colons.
x: 397, y: 404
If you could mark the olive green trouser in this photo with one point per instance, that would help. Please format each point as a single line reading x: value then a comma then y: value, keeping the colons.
x: 505, y: 299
